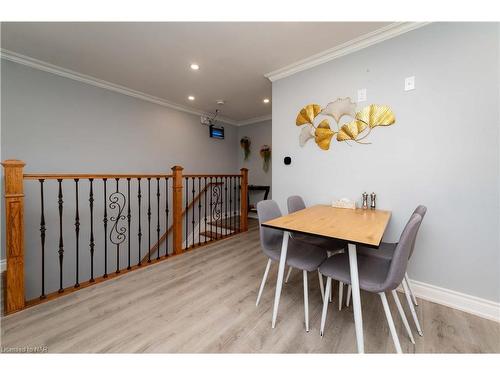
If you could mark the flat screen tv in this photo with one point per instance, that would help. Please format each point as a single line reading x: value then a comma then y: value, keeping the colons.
x: 216, y: 132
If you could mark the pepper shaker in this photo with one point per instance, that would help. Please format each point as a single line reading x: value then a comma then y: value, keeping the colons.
x: 373, y: 197
x: 365, y: 201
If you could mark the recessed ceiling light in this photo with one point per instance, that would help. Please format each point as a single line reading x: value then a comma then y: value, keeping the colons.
x: 266, y: 100
x: 195, y: 66
x: 191, y: 97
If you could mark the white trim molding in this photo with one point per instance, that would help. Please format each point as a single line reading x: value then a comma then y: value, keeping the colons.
x: 366, y: 40
x: 460, y: 301
x: 3, y: 265
x: 254, y: 120
x: 71, y: 74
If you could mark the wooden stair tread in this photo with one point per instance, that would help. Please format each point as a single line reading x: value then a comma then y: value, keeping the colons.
x: 229, y: 223
x: 210, y: 234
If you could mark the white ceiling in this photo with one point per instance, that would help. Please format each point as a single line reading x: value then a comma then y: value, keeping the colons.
x: 154, y: 58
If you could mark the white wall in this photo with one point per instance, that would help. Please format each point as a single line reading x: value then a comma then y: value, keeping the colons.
x: 442, y: 152
x: 259, y: 134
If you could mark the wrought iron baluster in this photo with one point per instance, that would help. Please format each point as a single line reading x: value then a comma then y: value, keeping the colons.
x: 205, y: 206
x: 211, y: 206
x: 118, y: 217
x: 77, y: 234
x: 149, y: 219
x: 186, y: 212
x: 166, y: 216
x: 91, y: 243
x: 192, y: 203
x: 117, y: 234
x: 139, y: 232
x: 129, y: 218
x: 217, y: 204
x: 235, y: 204
x: 231, y: 218
x: 61, y: 245
x: 158, y: 217
x: 42, y: 236
x: 105, y: 221
x: 199, y: 210
x: 239, y: 203
x: 225, y: 206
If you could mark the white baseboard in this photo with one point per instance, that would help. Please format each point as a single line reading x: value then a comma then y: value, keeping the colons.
x: 3, y: 265
x: 456, y: 300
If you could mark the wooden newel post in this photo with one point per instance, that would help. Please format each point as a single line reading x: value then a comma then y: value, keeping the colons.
x: 244, y: 200
x: 14, y: 235
x: 177, y: 209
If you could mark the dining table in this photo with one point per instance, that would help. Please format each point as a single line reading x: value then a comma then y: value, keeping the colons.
x: 358, y: 226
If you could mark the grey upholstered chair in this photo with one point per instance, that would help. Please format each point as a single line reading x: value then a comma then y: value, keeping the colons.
x: 386, y: 251
x: 296, y: 203
x: 300, y: 255
x: 377, y: 275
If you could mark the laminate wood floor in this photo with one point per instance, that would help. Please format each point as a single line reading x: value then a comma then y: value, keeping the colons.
x: 204, y: 302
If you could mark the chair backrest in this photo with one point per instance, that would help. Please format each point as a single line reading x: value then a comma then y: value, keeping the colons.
x: 399, y: 260
x: 420, y: 210
x: 295, y: 203
x: 270, y: 239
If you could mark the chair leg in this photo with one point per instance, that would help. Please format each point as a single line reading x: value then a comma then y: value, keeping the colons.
x: 306, y: 301
x: 263, y: 281
x: 288, y: 274
x: 349, y: 290
x: 341, y: 290
x: 329, y: 254
x: 412, y: 308
x: 325, y: 306
x: 321, y: 288
x: 403, y: 316
x: 392, y: 328
x: 411, y: 290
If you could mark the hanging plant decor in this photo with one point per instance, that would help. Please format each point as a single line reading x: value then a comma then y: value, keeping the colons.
x: 265, y: 153
x: 245, y: 145
x: 358, y: 129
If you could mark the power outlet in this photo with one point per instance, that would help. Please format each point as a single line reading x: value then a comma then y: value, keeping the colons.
x: 362, y: 95
x: 410, y: 83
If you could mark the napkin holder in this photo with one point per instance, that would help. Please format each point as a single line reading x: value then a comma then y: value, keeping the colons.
x: 344, y: 203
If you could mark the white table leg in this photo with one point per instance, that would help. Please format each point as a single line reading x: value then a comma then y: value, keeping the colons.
x: 356, y: 299
x: 281, y: 274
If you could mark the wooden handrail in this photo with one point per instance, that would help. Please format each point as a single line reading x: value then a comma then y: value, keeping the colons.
x: 72, y: 176
x: 167, y: 233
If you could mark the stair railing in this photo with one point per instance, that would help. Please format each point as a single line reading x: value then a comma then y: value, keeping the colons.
x: 119, y: 230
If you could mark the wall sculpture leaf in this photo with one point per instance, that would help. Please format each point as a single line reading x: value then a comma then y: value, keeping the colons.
x: 376, y: 115
x: 307, y: 114
x: 306, y: 134
x: 323, y: 135
x: 351, y: 130
x: 339, y: 108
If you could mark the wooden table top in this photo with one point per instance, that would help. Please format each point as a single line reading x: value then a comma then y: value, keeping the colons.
x: 365, y: 227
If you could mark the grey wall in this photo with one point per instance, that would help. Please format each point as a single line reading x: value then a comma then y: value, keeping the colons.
x: 57, y: 125
x: 259, y: 134
x: 442, y: 152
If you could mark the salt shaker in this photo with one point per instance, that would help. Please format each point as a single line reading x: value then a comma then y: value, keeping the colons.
x: 373, y: 196
x: 365, y: 201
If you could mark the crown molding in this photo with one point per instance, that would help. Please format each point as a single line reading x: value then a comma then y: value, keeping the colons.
x: 67, y: 73
x: 366, y: 40
x: 254, y: 120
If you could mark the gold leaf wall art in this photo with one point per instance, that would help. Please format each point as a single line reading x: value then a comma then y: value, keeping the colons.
x: 359, y: 128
